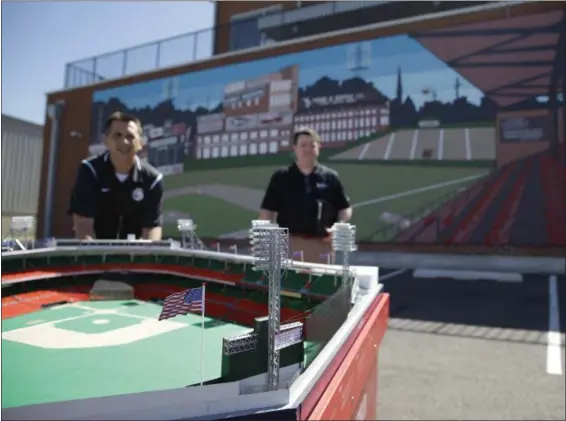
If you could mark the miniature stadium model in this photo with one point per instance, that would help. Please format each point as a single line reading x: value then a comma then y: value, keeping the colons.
x: 81, y: 336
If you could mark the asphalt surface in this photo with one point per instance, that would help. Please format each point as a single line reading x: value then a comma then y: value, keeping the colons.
x: 463, y: 350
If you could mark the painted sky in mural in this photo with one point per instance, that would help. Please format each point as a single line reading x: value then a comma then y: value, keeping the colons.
x: 422, y: 73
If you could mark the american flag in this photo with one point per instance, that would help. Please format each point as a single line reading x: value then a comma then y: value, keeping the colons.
x: 182, y: 303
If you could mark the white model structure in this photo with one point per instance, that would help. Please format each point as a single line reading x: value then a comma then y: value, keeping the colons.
x: 286, y: 386
x: 344, y: 241
x: 20, y: 226
x: 270, y: 250
x: 189, y: 238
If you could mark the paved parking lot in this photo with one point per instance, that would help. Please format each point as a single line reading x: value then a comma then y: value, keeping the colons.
x: 460, y: 349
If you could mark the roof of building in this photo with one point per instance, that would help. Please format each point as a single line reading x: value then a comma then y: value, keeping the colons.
x: 17, y: 124
x: 518, y: 59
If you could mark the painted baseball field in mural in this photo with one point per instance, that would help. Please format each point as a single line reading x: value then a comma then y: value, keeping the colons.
x: 453, y: 136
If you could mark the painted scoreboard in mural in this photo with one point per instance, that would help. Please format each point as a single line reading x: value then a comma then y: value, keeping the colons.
x: 451, y: 136
x: 256, y: 117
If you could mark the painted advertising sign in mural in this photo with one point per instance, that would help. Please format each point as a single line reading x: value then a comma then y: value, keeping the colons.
x: 463, y: 126
x: 525, y: 129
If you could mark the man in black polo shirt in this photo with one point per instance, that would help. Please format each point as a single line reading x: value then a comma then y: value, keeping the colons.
x: 307, y: 198
x: 116, y: 194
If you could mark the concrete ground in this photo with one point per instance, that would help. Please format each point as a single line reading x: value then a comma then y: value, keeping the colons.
x: 460, y: 349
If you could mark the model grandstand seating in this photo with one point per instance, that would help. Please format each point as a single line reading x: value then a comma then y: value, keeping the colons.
x: 323, y: 286
x: 104, y: 289
x: 236, y: 305
x: 252, y: 276
x: 294, y: 282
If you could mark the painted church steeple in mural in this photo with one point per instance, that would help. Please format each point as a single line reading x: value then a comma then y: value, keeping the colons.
x: 399, y: 86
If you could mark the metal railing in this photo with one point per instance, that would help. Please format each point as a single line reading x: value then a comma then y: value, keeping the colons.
x: 143, y: 58
x: 245, y: 33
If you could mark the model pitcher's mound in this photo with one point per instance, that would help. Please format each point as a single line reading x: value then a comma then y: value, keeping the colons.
x: 111, y: 290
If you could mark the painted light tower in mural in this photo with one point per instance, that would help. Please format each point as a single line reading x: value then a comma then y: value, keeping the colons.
x: 97, y: 144
x: 170, y: 92
x: 170, y: 88
x: 433, y: 94
x: 430, y: 93
x: 358, y: 60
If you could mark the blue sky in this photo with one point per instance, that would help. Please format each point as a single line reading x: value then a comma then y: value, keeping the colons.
x: 420, y: 69
x: 39, y: 38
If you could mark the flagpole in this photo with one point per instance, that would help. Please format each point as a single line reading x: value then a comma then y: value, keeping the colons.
x: 202, y: 335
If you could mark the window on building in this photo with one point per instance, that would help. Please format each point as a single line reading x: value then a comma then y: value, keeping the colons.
x: 280, y: 100
x: 244, y: 28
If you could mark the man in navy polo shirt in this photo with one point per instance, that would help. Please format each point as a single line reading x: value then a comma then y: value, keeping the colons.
x: 307, y: 198
x: 116, y: 194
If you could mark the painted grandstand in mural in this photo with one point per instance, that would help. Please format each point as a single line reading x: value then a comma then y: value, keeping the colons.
x: 520, y: 66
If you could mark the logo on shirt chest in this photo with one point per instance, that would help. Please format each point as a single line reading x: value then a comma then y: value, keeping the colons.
x: 137, y: 194
x: 321, y: 186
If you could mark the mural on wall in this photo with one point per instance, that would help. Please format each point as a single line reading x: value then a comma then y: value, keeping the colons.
x: 345, y: 92
x: 464, y: 127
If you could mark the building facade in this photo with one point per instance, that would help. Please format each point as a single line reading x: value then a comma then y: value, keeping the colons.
x: 243, y: 25
x: 463, y: 105
x: 22, y: 150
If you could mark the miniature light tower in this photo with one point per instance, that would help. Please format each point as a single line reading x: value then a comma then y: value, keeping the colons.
x: 344, y: 240
x: 270, y: 249
x: 20, y: 227
x: 187, y: 229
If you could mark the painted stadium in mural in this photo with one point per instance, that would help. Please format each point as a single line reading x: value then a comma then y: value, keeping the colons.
x: 454, y: 136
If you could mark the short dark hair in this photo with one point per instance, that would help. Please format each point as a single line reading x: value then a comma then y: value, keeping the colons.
x: 306, y: 131
x: 126, y: 118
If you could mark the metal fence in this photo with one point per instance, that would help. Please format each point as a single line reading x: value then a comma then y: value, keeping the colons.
x: 140, y: 59
x: 264, y: 28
